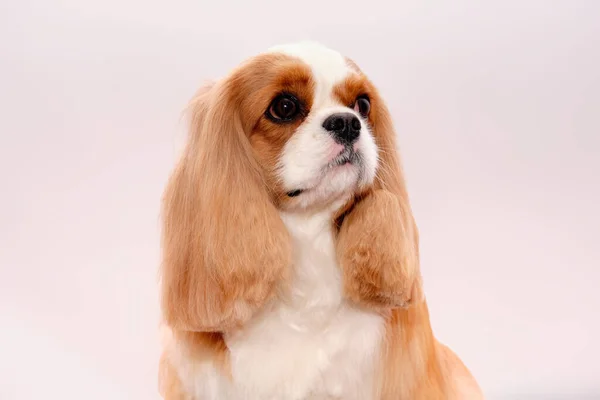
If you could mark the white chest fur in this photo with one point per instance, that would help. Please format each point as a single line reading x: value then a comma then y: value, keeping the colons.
x: 309, y: 343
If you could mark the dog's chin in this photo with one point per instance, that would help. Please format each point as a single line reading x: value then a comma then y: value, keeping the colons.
x: 341, y: 179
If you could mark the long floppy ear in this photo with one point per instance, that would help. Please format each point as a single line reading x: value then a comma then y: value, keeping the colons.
x: 378, y: 243
x: 225, y: 248
x: 390, y: 176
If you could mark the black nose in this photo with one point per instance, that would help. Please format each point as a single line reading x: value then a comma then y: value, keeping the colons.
x: 345, y: 127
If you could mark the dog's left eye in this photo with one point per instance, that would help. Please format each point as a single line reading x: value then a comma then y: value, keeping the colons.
x: 284, y: 108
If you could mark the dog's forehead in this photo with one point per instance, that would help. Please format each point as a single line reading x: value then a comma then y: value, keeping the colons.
x: 326, y: 64
x: 329, y: 67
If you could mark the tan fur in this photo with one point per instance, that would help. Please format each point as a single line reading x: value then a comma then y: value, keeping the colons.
x: 169, y: 384
x: 170, y: 387
x: 216, y: 274
x: 200, y: 346
x: 226, y: 251
x: 379, y: 261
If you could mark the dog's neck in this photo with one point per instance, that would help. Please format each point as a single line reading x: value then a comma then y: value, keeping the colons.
x: 315, y: 290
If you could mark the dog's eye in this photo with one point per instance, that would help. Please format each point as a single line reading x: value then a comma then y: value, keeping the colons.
x: 362, y: 105
x: 284, y: 108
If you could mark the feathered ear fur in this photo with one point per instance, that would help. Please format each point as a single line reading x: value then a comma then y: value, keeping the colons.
x: 225, y: 248
x: 378, y: 244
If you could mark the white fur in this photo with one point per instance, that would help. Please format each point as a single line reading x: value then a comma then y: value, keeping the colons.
x: 309, y: 343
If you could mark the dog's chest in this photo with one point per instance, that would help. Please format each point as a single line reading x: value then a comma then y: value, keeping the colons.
x: 309, y: 343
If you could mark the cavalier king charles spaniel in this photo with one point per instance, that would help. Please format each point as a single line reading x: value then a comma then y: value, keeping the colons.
x: 290, y: 264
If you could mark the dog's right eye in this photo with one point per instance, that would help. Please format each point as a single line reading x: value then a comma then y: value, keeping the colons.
x: 362, y: 105
x: 284, y: 108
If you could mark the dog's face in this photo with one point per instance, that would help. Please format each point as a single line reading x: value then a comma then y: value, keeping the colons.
x: 307, y: 113
x: 312, y: 137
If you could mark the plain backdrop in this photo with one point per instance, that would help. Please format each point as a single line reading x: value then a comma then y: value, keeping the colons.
x: 497, y: 106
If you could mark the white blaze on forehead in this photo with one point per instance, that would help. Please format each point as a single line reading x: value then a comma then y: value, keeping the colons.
x: 328, y: 67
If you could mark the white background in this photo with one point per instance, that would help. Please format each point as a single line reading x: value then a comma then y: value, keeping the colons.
x: 497, y: 106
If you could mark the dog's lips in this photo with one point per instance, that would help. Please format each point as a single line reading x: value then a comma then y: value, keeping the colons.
x: 347, y: 159
x: 347, y: 156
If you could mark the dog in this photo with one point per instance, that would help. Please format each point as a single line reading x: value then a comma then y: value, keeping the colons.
x: 290, y: 265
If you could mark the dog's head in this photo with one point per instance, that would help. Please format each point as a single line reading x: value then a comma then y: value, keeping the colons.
x: 299, y: 128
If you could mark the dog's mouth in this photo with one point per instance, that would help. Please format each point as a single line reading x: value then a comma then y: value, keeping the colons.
x: 348, y: 157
